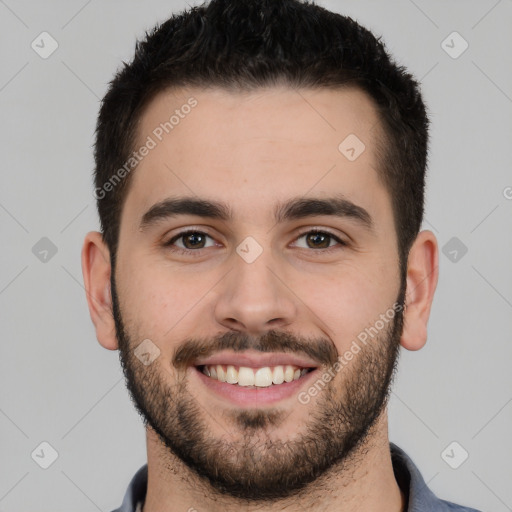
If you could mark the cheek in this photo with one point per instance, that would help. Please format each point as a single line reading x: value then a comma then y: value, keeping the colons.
x: 158, y: 302
x: 348, y: 301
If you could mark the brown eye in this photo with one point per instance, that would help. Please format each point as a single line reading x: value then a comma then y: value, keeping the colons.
x: 320, y: 240
x: 190, y: 241
x: 193, y: 240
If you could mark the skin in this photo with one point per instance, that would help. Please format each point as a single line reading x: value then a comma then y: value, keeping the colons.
x: 252, y: 150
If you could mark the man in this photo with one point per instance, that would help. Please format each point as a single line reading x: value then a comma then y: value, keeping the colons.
x: 260, y: 170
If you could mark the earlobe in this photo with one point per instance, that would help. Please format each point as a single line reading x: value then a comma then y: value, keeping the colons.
x: 422, y: 276
x: 96, y: 270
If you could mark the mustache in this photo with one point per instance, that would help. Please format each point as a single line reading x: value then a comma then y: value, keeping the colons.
x: 320, y: 350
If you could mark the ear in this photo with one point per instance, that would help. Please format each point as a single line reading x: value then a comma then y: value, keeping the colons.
x: 96, y: 271
x: 422, y: 275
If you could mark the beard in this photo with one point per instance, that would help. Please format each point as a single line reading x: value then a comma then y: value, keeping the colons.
x: 247, y: 463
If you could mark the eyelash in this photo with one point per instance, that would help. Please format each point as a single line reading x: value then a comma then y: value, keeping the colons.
x: 179, y: 250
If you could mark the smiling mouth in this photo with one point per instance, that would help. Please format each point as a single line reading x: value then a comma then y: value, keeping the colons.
x: 248, y: 377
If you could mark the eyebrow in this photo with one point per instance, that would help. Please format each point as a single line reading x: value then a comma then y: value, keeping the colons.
x: 293, y: 209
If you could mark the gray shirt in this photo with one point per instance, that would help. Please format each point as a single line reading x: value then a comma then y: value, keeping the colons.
x: 419, y: 497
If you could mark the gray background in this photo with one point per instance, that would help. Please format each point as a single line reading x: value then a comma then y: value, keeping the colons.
x: 58, y: 385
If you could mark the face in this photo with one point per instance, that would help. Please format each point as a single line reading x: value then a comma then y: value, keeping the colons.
x: 281, y: 259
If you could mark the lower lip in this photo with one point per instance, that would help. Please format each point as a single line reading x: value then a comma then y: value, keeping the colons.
x: 244, y: 396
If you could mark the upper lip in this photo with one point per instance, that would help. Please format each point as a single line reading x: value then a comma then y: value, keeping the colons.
x: 254, y: 359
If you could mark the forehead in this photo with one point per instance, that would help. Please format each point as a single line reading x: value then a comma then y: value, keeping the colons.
x: 253, y: 148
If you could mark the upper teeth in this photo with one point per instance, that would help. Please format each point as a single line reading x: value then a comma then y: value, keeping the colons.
x: 260, y: 377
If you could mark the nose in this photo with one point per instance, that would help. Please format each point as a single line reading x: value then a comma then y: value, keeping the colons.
x: 255, y: 297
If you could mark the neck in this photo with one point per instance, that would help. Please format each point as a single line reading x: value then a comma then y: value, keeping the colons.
x: 365, y: 483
